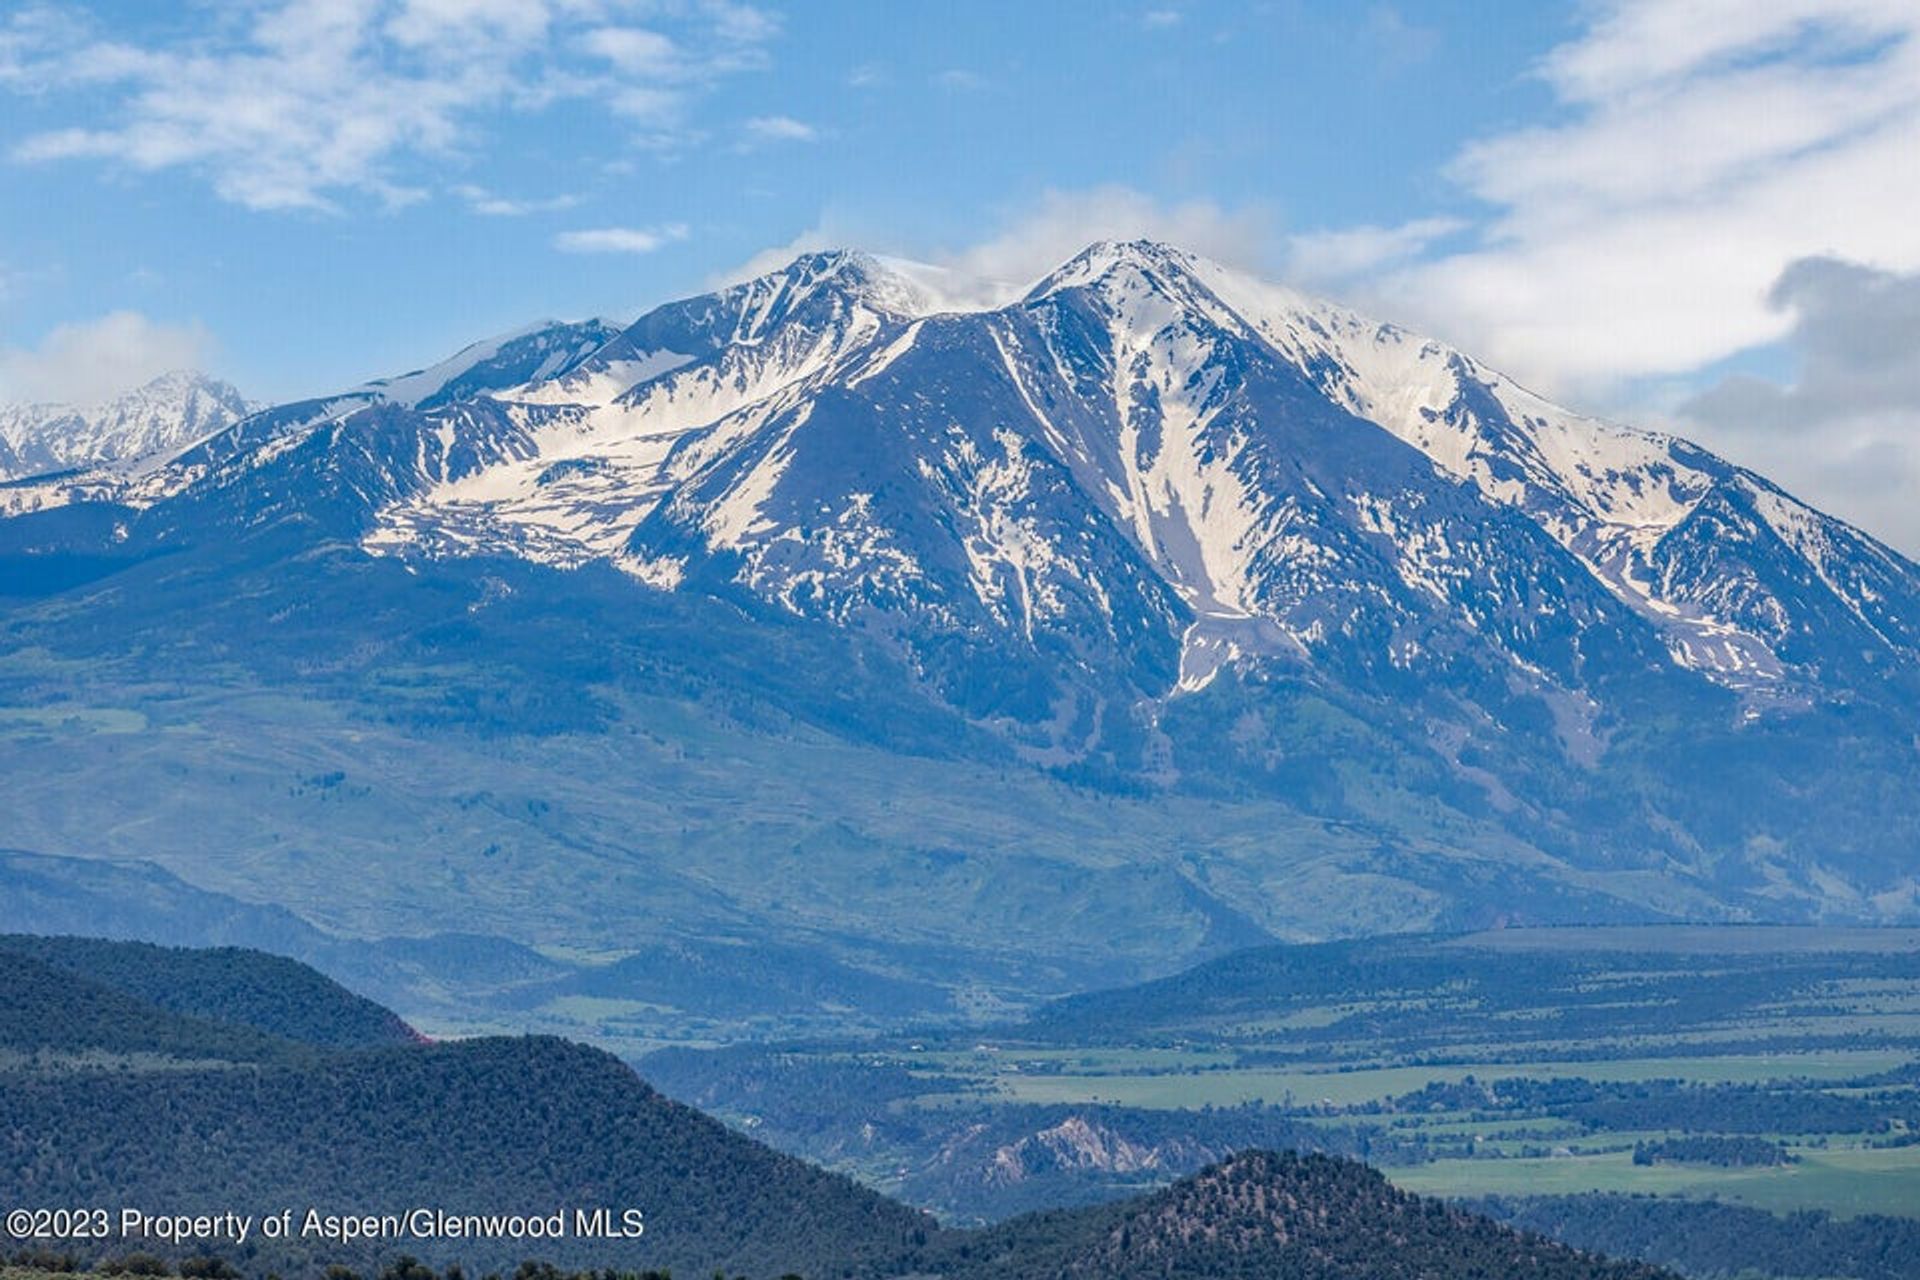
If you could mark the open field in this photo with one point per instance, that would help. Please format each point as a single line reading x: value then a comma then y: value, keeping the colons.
x: 1846, y: 1182
x: 1522, y: 1062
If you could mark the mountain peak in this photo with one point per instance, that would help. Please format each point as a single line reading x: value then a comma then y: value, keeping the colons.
x: 893, y: 286
x: 1161, y: 267
x: 1139, y: 249
x: 174, y: 380
x: 162, y: 414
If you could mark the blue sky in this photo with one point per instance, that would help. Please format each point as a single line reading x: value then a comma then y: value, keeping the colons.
x: 1598, y: 197
x: 914, y: 135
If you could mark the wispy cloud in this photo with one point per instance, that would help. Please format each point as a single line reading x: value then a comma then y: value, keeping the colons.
x: 1334, y: 257
x: 1847, y: 430
x: 1705, y: 146
x: 1397, y: 42
x: 620, y: 239
x: 1061, y: 223
x: 638, y: 51
x: 487, y: 204
x: 93, y: 361
x: 781, y: 129
x: 303, y: 101
x: 960, y: 80
x: 1031, y: 241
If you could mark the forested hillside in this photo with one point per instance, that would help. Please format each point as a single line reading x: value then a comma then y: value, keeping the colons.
x: 111, y: 1100
x: 227, y: 984
x: 1272, y: 1216
x: 500, y: 1126
x: 44, y: 1010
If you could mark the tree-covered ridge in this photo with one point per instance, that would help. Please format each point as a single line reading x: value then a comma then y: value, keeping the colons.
x: 534, y: 1125
x: 233, y: 985
x: 1277, y: 1216
x: 481, y: 1126
x: 45, y: 1010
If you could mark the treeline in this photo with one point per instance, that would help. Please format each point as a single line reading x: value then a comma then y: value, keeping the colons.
x: 1728, y: 1153
x: 1629, y: 1106
x: 47, y: 1011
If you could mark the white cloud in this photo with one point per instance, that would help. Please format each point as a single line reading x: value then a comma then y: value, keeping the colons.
x: 1846, y: 434
x: 636, y: 50
x: 620, y: 239
x: 1335, y: 256
x: 745, y: 25
x: 487, y: 204
x: 961, y: 80
x: 93, y: 362
x: 301, y: 101
x: 1707, y: 145
x: 774, y: 257
x: 1160, y: 19
x: 781, y: 129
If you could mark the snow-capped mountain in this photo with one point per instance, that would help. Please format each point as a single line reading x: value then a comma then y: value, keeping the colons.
x: 1146, y: 452
x: 166, y: 414
x: 1150, y: 520
x: 172, y: 466
x: 679, y: 369
x: 1150, y: 435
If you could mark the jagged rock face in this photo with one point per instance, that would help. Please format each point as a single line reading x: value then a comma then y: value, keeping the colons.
x: 1080, y: 1146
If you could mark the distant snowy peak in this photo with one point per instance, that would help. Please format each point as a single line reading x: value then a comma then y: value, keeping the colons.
x: 166, y: 414
x: 217, y: 429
